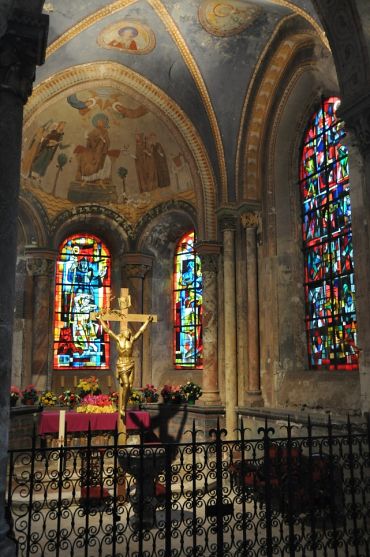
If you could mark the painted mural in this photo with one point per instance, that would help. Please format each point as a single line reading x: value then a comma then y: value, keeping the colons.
x: 228, y: 17
x: 99, y: 145
x: 133, y: 37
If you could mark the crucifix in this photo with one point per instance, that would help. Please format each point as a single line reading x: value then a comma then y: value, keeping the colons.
x: 125, y: 343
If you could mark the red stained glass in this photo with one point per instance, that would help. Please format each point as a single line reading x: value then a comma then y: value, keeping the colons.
x: 327, y: 241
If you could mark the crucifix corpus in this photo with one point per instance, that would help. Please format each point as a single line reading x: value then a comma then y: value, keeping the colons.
x: 125, y: 339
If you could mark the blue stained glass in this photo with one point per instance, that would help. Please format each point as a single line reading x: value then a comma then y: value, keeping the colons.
x: 188, y: 284
x: 326, y: 229
x: 82, y: 286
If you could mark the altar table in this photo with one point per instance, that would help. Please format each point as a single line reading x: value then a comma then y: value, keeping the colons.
x: 76, y: 421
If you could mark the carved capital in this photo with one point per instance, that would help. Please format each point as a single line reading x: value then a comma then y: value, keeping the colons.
x: 22, y: 48
x: 251, y: 219
x: 209, y: 263
x: 136, y: 265
x: 40, y: 262
x: 39, y: 267
x: 209, y: 253
x: 134, y: 270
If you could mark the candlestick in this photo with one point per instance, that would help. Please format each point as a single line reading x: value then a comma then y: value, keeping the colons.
x: 62, y: 427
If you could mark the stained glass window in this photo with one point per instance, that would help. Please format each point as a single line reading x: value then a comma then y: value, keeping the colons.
x: 327, y: 243
x: 82, y: 286
x: 188, y: 305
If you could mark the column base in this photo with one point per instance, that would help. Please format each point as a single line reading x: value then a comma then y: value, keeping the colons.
x: 209, y: 398
x: 253, y: 399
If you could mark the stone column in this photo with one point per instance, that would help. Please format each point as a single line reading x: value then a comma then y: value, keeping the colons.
x: 22, y: 47
x: 231, y: 390
x: 134, y: 268
x: 250, y: 222
x: 357, y: 123
x: 209, y: 254
x: 41, y: 266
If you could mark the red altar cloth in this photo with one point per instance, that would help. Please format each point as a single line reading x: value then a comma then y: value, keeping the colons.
x: 75, y: 421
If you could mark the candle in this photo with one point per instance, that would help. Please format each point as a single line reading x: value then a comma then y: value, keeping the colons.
x: 109, y: 381
x: 62, y: 380
x: 62, y: 427
x: 75, y: 380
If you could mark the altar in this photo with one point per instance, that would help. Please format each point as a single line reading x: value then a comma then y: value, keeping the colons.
x: 80, y: 422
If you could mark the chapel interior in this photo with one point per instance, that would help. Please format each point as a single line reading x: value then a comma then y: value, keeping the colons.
x: 224, y: 141
x: 204, y: 119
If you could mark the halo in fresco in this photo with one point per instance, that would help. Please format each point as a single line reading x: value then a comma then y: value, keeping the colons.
x: 101, y: 145
x: 228, y: 17
x: 128, y: 36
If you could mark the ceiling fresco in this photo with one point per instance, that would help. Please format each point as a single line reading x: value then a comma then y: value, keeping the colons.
x: 100, y: 145
x: 202, y: 54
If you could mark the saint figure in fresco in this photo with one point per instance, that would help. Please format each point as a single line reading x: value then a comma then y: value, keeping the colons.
x: 162, y: 175
x: 126, y: 39
x: 47, y: 149
x: 151, y: 163
x: 93, y: 161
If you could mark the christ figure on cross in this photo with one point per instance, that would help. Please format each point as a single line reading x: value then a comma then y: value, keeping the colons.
x: 125, y: 339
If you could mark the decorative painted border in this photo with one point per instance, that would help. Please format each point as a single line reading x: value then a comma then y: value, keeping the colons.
x: 236, y: 30
x: 198, y: 78
x: 86, y: 23
x: 125, y: 79
x: 134, y: 23
x: 260, y: 103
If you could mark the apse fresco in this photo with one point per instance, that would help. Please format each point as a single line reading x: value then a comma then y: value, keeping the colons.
x: 228, y: 17
x: 327, y: 236
x: 188, y: 285
x: 133, y: 37
x: 82, y: 285
x: 99, y: 145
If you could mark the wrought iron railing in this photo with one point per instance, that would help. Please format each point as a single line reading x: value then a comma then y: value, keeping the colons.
x: 306, y: 495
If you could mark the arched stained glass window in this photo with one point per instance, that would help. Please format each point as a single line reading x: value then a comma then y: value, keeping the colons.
x: 188, y: 305
x: 82, y: 286
x: 327, y: 243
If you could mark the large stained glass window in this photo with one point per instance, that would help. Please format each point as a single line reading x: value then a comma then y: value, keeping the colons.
x: 82, y: 286
x: 327, y: 243
x: 188, y: 305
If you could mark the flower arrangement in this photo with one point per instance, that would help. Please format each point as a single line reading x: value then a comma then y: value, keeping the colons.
x: 173, y: 393
x: 29, y: 395
x: 114, y: 397
x: 150, y: 393
x: 69, y: 399
x: 136, y: 397
x: 48, y: 398
x: 191, y: 391
x: 15, y: 394
x: 97, y: 404
x: 88, y: 386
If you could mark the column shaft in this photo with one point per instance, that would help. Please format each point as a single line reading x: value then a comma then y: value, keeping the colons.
x: 209, y: 258
x: 231, y: 392
x: 254, y: 380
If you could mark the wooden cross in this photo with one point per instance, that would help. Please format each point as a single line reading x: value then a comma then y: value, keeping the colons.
x: 123, y: 316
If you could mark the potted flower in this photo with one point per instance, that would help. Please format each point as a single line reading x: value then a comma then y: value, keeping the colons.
x: 96, y: 404
x: 113, y: 395
x: 191, y: 392
x: 150, y: 393
x: 48, y: 398
x: 15, y: 394
x: 69, y: 399
x: 88, y: 386
x: 29, y: 395
x: 172, y: 394
x: 136, y: 398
